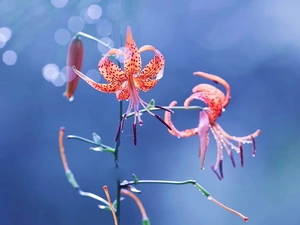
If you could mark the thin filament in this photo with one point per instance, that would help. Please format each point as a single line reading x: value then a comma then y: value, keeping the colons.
x: 138, y: 202
x: 62, y: 149
x: 229, y: 209
x: 112, y: 209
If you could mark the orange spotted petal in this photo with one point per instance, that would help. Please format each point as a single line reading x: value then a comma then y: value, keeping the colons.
x: 213, y: 102
x: 132, y: 57
x: 217, y: 80
x: 145, y: 85
x: 110, y: 71
x: 107, y: 88
x: 155, y: 66
x: 209, y: 88
x: 123, y: 94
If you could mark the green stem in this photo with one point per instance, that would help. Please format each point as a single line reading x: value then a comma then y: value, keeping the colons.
x: 158, y: 182
x: 193, y: 182
x: 105, y: 147
x: 92, y: 38
x: 167, y: 107
x: 117, y: 144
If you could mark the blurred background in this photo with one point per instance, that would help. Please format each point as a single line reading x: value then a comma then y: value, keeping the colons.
x: 254, y: 45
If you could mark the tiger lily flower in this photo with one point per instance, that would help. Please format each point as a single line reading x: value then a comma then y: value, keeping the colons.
x: 126, y: 84
x: 216, y: 103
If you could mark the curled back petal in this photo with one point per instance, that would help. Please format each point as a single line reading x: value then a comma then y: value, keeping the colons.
x: 174, y: 131
x: 203, y: 131
x: 107, y: 88
x: 74, y: 58
x: 217, y: 79
x: 154, y: 68
x: 132, y: 57
x: 110, y: 71
x: 213, y: 102
x: 209, y: 88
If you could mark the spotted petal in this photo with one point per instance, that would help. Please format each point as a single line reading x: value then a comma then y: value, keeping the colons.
x: 213, y: 102
x: 107, y: 88
x: 110, y: 71
x: 132, y: 57
x: 153, y: 69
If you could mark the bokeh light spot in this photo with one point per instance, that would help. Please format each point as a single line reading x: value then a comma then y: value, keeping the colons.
x: 94, y: 12
x: 104, y: 27
x: 59, y: 3
x: 9, y: 57
x: 62, y: 36
x: 50, y: 72
x: 104, y: 49
x: 2, y: 41
x: 94, y: 75
x: 75, y: 24
x: 60, y: 80
x: 6, y: 32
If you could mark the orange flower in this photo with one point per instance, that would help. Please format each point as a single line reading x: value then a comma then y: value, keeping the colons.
x: 126, y: 84
x: 216, y: 102
x: 75, y: 56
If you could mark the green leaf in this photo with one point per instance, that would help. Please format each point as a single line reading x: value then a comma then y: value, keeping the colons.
x: 151, y: 104
x: 146, y: 221
x: 136, y: 180
x: 97, y: 138
x: 115, y: 202
x: 105, y: 207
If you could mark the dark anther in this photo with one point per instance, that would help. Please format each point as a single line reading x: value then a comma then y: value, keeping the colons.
x: 134, y: 134
x: 253, y: 146
x: 162, y: 121
x: 241, y: 154
x: 213, y: 169
x: 120, y: 128
x: 232, y: 159
x: 221, y: 168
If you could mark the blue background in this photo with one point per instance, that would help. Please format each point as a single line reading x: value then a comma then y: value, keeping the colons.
x: 254, y: 45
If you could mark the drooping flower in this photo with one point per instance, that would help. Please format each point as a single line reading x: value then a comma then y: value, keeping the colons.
x: 126, y: 84
x: 216, y: 103
x: 75, y: 57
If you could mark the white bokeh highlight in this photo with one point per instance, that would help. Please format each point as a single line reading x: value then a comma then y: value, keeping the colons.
x: 104, y: 28
x: 9, y: 57
x: 5, y: 35
x: 104, y: 49
x: 62, y: 36
x: 50, y: 72
x: 94, y: 12
x: 59, y: 3
x: 75, y: 24
x: 60, y: 80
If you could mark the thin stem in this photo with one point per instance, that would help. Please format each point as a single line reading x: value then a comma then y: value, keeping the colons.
x: 229, y: 209
x: 138, y: 202
x: 172, y: 108
x: 92, y: 38
x: 110, y: 204
x: 117, y: 145
x: 193, y: 182
x: 105, y: 147
x: 69, y: 173
x: 158, y: 182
